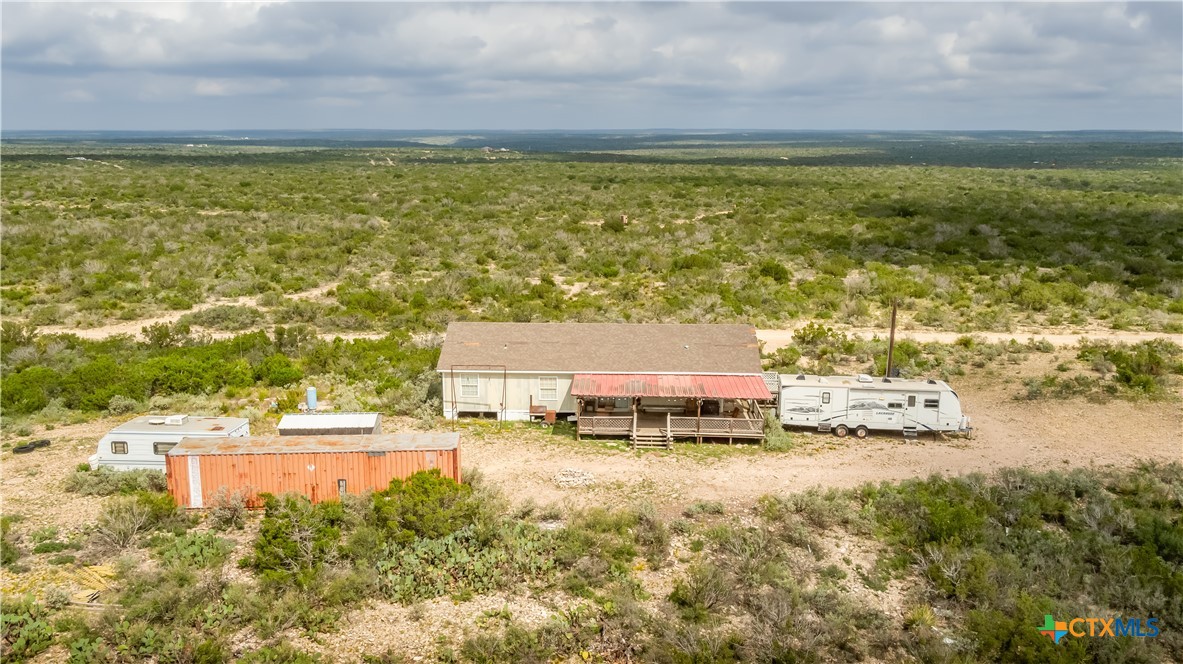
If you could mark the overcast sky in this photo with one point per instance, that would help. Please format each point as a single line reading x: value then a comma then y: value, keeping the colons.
x: 306, y: 65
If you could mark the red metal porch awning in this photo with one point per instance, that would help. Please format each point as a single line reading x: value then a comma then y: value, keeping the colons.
x: 670, y: 385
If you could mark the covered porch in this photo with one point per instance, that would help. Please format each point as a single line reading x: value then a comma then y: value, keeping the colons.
x: 653, y: 410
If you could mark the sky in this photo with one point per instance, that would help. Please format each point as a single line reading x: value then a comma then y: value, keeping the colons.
x: 763, y: 65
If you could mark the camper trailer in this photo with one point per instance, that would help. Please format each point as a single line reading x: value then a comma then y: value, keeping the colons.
x: 143, y: 442
x: 860, y: 404
x: 330, y: 424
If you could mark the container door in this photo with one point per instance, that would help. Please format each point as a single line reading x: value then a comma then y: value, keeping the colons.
x: 196, y: 500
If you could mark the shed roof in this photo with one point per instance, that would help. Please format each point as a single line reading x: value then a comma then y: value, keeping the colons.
x: 603, y: 347
x: 329, y: 421
x: 387, y: 442
x: 666, y: 385
x: 195, y: 424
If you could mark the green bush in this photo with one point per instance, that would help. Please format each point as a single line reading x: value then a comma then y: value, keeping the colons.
x: 703, y: 507
x: 26, y: 628
x: 106, y: 481
x: 9, y: 551
x: 465, y: 562
x: 296, y: 538
x: 278, y: 371
x: 425, y: 505
x: 704, y: 589
x: 121, y: 405
x: 194, y: 550
x: 124, y: 518
x: 281, y: 654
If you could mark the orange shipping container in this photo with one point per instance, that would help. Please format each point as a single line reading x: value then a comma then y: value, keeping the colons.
x: 319, y: 467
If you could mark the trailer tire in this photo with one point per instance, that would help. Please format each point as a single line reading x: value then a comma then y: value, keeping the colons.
x: 44, y: 442
x: 841, y: 430
x: 861, y: 432
x: 23, y: 449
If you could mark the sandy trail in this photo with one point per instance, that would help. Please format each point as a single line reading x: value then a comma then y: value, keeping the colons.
x: 135, y: 327
x: 1057, y: 336
x: 772, y: 339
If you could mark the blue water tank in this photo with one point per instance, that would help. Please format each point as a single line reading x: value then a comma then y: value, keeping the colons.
x: 311, y: 398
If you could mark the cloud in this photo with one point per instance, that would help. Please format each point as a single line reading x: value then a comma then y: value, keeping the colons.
x: 552, y: 64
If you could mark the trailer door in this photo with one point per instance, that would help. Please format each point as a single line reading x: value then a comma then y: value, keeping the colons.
x: 911, y: 411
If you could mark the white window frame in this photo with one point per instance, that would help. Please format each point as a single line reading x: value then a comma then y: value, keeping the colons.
x: 475, y: 385
x: 554, y: 389
x: 116, y: 445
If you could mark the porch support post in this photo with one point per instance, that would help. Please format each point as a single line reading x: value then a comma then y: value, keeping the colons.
x: 578, y: 417
x: 698, y: 422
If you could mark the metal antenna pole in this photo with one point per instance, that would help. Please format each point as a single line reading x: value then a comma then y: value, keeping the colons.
x: 891, y: 339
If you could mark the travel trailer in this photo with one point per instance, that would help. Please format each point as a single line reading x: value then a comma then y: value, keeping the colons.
x: 330, y: 424
x: 143, y: 442
x: 860, y: 404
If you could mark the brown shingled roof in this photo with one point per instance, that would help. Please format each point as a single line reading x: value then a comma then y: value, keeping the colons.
x: 603, y: 347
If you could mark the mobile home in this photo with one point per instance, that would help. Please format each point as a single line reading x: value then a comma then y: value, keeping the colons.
x: 330, y: 424
x: 861, y: 404
x: 616, y: 379
x: 143, y: 442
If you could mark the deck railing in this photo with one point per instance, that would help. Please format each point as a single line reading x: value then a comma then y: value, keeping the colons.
x: 606, y: 425
x: 717, y: 426
x: 679, y: 426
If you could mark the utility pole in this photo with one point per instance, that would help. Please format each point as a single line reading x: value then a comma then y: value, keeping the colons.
x: 891, y: 339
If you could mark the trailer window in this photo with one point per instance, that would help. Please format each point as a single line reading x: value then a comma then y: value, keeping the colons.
x: 119, y: 447
x: 548, y: 388
x: 932, y: 403
x: 469, y: 387
x: 896, y: 405
x: 911, y: 401
x: 825, y: 397
x: 162, y: 448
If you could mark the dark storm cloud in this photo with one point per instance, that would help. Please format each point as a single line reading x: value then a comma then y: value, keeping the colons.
x: 874, y: 65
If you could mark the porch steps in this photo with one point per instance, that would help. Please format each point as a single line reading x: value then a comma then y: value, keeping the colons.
x: 651, y: 438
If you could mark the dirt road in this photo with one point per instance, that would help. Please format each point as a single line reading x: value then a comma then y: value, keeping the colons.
x: 771, y: 338
x: 774, y: 339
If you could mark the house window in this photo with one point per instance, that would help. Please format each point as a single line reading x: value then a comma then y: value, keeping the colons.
x: 162, y: 448
x: 119, y: 447
x: 469, y: 387
x: 932, y: 403
x: 825, y: 397
x: 911, y: 401
x: 548, y: 388
x: 341, y: 490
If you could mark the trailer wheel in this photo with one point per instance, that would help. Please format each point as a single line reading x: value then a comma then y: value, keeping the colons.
x: 841, y: 431
x: 860, y: 432
x: 23, y: 449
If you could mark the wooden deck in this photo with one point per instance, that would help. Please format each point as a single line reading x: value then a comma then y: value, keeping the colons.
x: 661, y: 429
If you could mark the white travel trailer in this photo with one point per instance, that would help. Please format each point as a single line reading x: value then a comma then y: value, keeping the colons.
x: 330, y: 424
x: 143, y: 442
x: 861, y: 404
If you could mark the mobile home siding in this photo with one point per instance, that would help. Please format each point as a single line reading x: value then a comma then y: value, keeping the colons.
x: 313, y: 474
x: 518, y: 390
